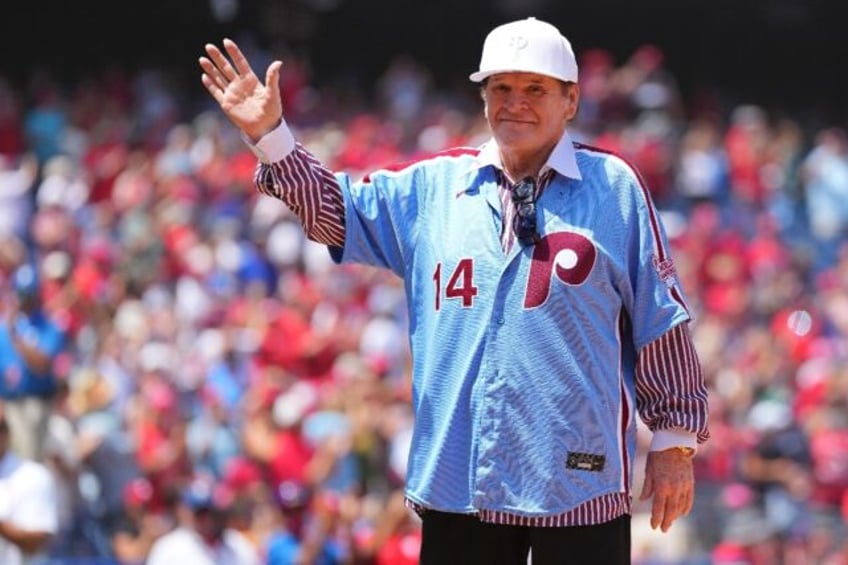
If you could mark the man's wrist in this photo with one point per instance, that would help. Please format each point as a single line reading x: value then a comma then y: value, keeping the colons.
x: 273, y: 146
x: 255, y: 136
x: 675, y: 437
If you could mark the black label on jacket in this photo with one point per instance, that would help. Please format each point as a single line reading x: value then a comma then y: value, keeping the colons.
x: 585, y: 461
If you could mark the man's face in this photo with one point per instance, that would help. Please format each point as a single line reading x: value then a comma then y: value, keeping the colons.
x: 528, y: 112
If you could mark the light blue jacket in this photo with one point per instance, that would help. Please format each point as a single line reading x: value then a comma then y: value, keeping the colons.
x: 523, y: 363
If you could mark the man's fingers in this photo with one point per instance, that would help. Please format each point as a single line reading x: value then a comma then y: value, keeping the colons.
x: 213, y: 88
x: 239, y: 60
x: 663, y: 512
x: 657, y: 511
x: 221, y: 62
x: 212, y: 73
x: 672, y: 511
x: 666, y: 509
x: 689, y: 501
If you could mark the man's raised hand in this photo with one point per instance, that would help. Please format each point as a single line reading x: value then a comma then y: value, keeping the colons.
x: 253, y: 107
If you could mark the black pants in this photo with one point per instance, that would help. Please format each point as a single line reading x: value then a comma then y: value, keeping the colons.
x: 465, y: 540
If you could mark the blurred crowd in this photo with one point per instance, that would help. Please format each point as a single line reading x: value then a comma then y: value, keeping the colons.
x: 209, y: 377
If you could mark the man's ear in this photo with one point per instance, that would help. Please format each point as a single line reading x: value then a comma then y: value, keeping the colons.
x: 572, y: 95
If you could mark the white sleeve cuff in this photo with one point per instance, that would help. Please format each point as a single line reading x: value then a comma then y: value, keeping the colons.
x: 274, y: 145
x: 664, y: 439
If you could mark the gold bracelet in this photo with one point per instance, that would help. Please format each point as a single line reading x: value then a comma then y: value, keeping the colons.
x: 687, y: 451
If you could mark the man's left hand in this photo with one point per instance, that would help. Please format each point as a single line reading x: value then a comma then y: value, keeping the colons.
x: 670, y: 480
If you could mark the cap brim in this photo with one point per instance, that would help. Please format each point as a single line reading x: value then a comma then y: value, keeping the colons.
x: 480, y: 76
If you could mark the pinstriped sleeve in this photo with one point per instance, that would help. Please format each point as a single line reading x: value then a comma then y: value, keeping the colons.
x: 312, y: 192
x: 670, y: 388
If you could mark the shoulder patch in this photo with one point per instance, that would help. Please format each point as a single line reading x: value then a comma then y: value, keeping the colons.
x: 665, y: 270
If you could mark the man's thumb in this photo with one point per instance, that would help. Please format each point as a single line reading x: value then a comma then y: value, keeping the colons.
x: 272, y: 77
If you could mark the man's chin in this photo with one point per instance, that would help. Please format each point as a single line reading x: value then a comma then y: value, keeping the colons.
x: 513, y: 139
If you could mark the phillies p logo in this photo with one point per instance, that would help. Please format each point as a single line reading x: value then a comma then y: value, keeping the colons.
x: 517, y: 43
x: 568, y: 256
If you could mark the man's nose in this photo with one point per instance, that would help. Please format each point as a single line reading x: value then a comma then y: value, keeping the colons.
x: 516, y: 101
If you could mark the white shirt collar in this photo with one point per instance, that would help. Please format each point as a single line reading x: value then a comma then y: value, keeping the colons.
x: 562, y: 158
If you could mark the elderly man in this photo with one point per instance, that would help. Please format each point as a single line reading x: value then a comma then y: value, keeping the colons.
x: 544, y: 308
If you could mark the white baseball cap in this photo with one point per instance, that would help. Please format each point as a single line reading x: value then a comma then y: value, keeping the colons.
x: 529, y: 46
